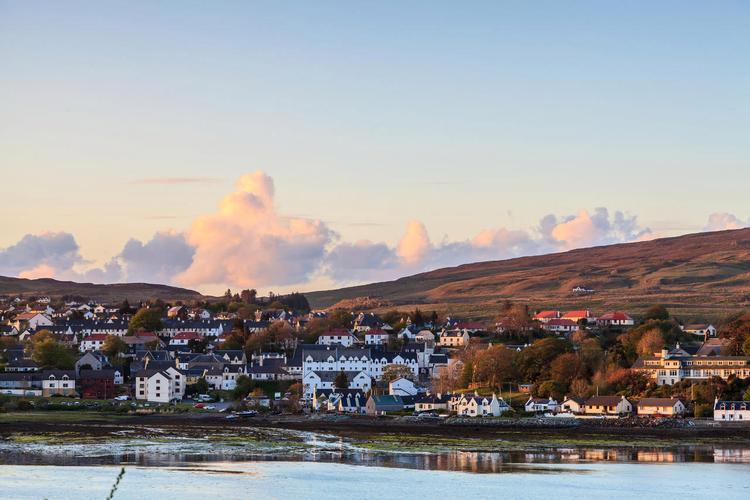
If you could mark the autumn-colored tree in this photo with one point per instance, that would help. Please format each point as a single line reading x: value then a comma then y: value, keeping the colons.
x: 652, y: 341
x: 148, y: 320
x: 657, y: 311
x: 736, y: 329
x: 565, y: 368
x: 495, y: 365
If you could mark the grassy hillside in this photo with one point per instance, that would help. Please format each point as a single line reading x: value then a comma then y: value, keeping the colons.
x: 702, y: 275
x: 105, y: 293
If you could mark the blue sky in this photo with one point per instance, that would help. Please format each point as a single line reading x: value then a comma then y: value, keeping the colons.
x: 367, y: 115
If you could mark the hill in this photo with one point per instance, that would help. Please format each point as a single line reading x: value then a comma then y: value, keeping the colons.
x: 105, y: 293
x: 698, y: 276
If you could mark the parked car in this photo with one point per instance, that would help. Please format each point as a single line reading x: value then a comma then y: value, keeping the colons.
x: 209, y: 407
x: 124, y: 397
x: 199, y: 405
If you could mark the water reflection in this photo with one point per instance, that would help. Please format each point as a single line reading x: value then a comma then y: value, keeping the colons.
x: 338, y: 451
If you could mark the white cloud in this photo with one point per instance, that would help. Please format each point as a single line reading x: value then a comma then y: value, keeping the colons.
x: 158, y: 260
x: 36, y: 255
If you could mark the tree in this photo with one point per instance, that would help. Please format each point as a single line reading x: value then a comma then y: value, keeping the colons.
x: 243, y: 387
x: 736, y: 329
x: 394, y: 371
x: 656, y: 311
x: 495, y: 365
x: 148, y: 320
x: 467, y: 374
x: 417, y: 318
x: 535, y: 360
x: 651, y: 342
x: 48, y: 353
x: 114, y: 346
x: 341, y: 382
x: 565, y: 368
x: 746, y: 346
x: 201, y: 386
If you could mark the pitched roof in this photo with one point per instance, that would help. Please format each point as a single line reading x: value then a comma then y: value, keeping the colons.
x: 657, y: 402
x: 603, y: 400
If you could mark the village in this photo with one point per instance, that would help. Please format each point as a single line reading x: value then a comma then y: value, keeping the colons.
x: 246, y: 355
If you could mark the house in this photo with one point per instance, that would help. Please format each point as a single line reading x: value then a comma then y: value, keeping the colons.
x: 616, y: 318
x: 21, y: 365
x: 58, y: 383
x: 180, y: 312
x: 21, y: 384
x: 459, y: 338
x: 313, y: 381
x: 338, y: 336
x: 340, y: 400
x: 477, y: 406
x: 540, y: 405
x: 33, y: 320
x: 703, y: 330
x: 224, y: 377
x: 99, y: 384
x: 608, y: 405
x: 581, y: 315
x: 93, y: 342
x: 425, y: 336
x: 402, y: 387
x: 381, y: 360
x: 572, y: 405
x: 561, y: 325
x: 380, y: 405
x: 376, y: 336
x: 431, y: 402
x: 8, y: 330
x: 91, y: 361
x: 666, y: 407
x: 184, y: 338
x: 731, y: 411
x: 669, y: 367
x: 365, y: 322
x: 159, y: 385
x: 545, y: 316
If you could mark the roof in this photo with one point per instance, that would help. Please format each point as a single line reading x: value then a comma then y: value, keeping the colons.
x: 547, y: 314
x: 337, y: 332
x: 583, y: 313
x: 330, y: 376
x: 187, y: 336
x: 657, y: 402
x: 604, y: 400
x: 736, y: 405
x: 388, y: 401
x: 561, y: 322
x: 615, y: 316
x: 96, y: 337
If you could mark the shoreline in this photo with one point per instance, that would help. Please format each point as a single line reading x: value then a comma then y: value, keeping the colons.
x: 104, y: 425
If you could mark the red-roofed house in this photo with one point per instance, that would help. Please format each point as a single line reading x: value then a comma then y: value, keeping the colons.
x: 184, y: 338
x: 545, y: 316
x: 576, y: 316
x: 616, y: 318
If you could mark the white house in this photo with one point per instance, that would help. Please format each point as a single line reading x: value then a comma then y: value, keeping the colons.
x: 561, y: 325
x: 402, y: 387
x: 160, y: 386
x: 313, y: 381
x: 700, y: 330
x: 615, y: 318
x: 376, y: 337
x: 33, y: 319
x: 538, y: 405
x: 731, y: 411
x: 338, y: 336
x: 93, y: 342
x: 58, y: 382
x: 425, y: 336
x: 572, y: 405
x: 477, y: 406
x: 660, y: 406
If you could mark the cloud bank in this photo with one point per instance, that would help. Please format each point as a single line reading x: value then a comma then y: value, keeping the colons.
x: 248, y: 242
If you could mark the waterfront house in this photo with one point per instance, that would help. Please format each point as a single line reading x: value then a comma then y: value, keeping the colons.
x: 540, y: 405
x: 731, y: 411
x: 58, y: 383
x: 402, y: 387
x: 572, y: 405
x: 380, y: 405
x: 668, y: 407
x: 608, y: 406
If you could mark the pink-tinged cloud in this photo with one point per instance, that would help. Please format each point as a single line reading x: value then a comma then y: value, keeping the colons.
x: 247, y: 243
x: 415, y: 243
x: 722, y: 221
x: 40, y: 271
x: 175, y: 180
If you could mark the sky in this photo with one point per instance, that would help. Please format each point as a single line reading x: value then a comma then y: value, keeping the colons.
x: 307, y: 145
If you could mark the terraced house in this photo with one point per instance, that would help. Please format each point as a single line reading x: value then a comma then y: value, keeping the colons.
x: 669, y: 367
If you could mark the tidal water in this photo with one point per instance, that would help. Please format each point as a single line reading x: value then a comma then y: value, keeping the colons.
x: 274, y: 464
x: 310, y: 480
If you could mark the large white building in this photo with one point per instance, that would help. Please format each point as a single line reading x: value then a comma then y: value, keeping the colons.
x: 731, y: 411
x: 372, y: 362
x: 160, y: 386
x: 326, y: 380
